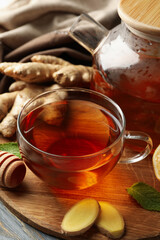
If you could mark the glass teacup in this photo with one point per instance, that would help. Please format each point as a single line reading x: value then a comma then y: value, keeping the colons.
x: 71, y: 138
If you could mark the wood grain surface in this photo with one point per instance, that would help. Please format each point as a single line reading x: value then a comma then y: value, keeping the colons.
x: 12, y: 228
x: 43, y: 208
x: 141, y: 15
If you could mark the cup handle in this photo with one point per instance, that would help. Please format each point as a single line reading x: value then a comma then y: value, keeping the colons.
x: 136, y: 135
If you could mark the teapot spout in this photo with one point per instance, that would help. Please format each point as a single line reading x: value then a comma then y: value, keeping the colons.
x: 88, y: 33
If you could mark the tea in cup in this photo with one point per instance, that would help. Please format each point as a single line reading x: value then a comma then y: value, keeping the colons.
x: 72, y: 138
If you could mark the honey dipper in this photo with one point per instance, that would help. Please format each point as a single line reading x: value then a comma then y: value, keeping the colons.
x: 12, y: 170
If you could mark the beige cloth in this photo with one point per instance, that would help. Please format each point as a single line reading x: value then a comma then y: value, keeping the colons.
x: 24, y: 20
x: 31, y: 26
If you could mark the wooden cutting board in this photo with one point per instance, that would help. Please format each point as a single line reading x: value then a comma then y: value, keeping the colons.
x: 43, y: 208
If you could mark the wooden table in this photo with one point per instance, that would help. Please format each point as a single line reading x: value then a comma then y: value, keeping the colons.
x: 13, y: 228
x: 139, y: 221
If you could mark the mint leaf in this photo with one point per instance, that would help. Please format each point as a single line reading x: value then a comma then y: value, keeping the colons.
x: 11, y: 147
x: 147, y: 196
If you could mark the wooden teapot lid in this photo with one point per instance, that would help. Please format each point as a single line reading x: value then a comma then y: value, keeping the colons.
x: 141, y: 15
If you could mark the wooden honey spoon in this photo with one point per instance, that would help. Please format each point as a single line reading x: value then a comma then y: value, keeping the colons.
x: 12, y: 170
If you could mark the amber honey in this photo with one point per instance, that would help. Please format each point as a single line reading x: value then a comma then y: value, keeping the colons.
x: 71, y: 147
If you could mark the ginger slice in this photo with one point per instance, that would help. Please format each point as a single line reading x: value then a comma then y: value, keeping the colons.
x: 80, y: 217
x: 110, y: 222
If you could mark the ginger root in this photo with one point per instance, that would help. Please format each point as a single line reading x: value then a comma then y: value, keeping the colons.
x: 15, y: 101
x: 49, y: 59
x: 29, y: 72
x: 80, y: 217
x: 31, y: 78
x: 6, y: 101
x: 44, y: 68
x: 74, y: 75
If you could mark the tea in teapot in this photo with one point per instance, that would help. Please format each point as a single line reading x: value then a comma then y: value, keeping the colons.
x: 126, y: 61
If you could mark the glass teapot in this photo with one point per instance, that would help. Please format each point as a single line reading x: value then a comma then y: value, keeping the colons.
x: 126, y: 62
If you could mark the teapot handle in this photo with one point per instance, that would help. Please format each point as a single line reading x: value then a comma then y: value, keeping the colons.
x: 88, y: 33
